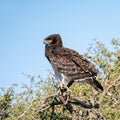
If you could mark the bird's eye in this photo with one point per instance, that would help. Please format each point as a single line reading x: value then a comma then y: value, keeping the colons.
x: 50, y: 40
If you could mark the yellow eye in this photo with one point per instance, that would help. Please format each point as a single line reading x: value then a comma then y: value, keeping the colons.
x: 50, y: 40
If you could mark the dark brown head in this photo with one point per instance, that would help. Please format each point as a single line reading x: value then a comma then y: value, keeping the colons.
x: 53, y: 40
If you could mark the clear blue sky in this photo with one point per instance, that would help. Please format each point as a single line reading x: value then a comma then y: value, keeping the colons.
x: 25, y: 23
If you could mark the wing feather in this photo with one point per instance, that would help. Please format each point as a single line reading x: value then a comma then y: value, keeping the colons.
x: 80, y: 61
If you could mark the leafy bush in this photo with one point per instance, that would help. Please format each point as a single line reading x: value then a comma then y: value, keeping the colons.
x: 27, y: 104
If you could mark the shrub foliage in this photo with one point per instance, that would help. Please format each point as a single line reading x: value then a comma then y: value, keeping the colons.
x: 38, y: 101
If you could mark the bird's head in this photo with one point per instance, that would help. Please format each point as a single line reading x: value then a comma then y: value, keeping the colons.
x: 53, y: 40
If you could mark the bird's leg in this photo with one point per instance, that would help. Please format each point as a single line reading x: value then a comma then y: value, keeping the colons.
x: 64, y: 87
x: 64, y: 91
x: 62, y: 83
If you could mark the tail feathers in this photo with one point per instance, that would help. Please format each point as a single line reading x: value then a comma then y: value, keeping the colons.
x: 93, y: 82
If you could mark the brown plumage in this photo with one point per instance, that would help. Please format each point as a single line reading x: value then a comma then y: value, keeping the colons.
x: 69, y: 64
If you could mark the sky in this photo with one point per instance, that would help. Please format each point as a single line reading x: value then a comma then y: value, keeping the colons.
x: 25, y: 23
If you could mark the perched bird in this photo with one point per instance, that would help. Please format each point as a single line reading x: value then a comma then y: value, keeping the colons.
x: 68, y: 64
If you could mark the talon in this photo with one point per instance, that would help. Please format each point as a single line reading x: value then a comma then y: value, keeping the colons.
x: 63, y: 90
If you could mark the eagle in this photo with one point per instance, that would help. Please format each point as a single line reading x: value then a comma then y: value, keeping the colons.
x: 69, y: 65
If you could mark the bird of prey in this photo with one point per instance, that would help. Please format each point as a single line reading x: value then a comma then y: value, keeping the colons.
x: 68, y: 64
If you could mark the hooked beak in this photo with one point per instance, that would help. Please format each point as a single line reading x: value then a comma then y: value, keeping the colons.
x: 45, y: 42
